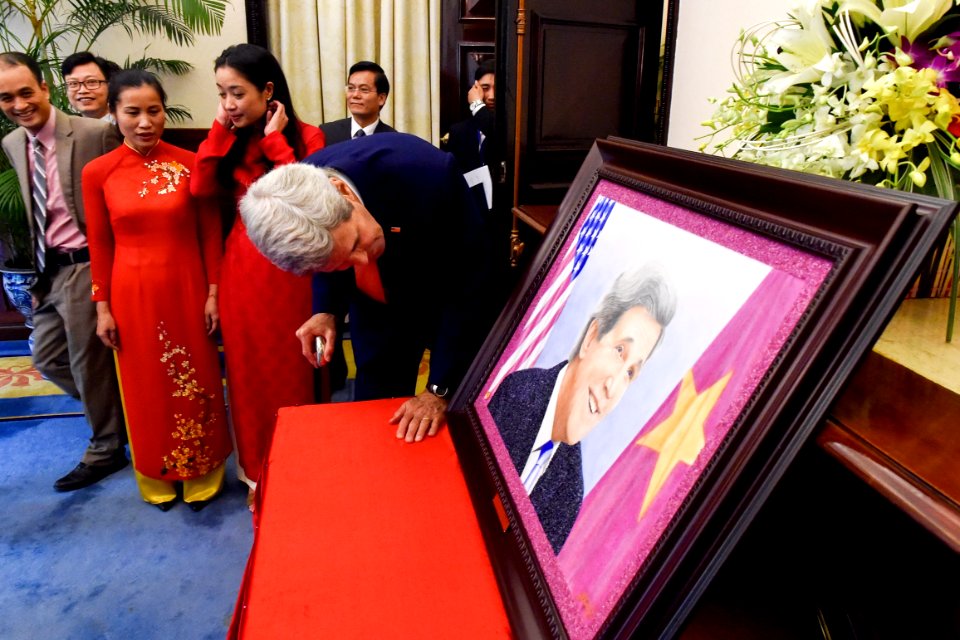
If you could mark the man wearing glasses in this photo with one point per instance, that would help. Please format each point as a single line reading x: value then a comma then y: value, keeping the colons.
x: 85, y: 77
x: 367, y: 91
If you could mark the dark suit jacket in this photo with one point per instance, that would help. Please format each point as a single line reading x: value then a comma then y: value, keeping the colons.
x: 464, y: 143
x: 339, y: 130
x: 78, y: 141
x: 435, y: 267
x: 464, y: 140
x: 518, y: 407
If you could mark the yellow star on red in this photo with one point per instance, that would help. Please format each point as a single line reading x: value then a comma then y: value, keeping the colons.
x: 680, y: 437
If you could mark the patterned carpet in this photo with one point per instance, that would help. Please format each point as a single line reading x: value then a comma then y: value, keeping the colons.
x: 24, y: 393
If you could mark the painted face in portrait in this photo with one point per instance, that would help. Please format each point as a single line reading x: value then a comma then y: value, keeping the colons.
x: 141, y: 117
x: 604, y: 368
x: 87, y: 90
x: 24, y: 101
x: 363, y: 101
x: 242, y: 101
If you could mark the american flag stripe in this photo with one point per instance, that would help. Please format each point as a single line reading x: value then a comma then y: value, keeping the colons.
x: 541, y: 319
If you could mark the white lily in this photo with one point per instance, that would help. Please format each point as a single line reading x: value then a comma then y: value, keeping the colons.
x: 900, y: 18
x: 800, y: 48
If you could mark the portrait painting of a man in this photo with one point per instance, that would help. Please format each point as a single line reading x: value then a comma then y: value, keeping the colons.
x: 543, y: 414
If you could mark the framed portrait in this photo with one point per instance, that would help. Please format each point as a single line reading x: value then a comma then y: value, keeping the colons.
x: 681, y: 331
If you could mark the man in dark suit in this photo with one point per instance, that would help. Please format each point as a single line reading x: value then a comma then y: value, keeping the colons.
x: 367, y: 91
x: 472, y: 141
x: 48, y: 151
x: 387, y: 225
x: 543, y: 414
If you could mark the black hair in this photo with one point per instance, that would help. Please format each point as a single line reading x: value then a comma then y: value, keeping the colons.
x: 380, y: 77
x: 107, y: 67
x: 17, y: 59
x: 130, y: 79
x: 487, y: 66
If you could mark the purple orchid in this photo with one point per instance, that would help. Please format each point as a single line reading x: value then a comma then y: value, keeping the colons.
x: 943, y: 57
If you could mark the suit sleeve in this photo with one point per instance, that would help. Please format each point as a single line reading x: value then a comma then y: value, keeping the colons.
x: 465, y: 316
x: 99, y: 232
x: 203, y: 181
x: 332, y: 292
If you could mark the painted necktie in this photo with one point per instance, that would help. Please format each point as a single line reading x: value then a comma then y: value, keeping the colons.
x: 538, y: 468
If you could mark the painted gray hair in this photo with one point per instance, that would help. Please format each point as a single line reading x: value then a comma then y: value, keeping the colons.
x: 290, y: 214
x: 646, y: 287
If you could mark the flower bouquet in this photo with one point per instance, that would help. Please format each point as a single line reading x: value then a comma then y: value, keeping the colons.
x: 862, y: 90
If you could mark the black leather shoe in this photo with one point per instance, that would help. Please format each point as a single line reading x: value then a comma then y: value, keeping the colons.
x: 84, y: 475
x: 198, y: 505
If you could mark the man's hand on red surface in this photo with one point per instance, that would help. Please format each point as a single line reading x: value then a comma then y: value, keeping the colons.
x: 420, y: 416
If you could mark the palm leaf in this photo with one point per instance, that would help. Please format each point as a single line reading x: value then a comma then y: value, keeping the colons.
x: 159, y: 66
x: 203, y: 16
x: 177, y: 113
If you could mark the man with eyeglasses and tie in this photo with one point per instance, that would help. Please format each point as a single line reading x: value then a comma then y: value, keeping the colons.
x: 48, y: 150
x: 86, y: 78
x: 367, y: 91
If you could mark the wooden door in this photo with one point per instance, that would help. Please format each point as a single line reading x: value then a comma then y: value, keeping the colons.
x: 588, y: 70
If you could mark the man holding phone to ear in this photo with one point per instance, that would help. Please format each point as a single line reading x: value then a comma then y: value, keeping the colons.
x: 391, y: 233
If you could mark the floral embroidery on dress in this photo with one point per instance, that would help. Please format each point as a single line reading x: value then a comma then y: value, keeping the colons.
x: 94, y: 288
x: 170, y: 171
x: 191, y: 457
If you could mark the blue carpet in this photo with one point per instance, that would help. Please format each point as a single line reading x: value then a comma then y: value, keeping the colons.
x: 99, y: 562
x: 14, y: 348
x: 39, y: 406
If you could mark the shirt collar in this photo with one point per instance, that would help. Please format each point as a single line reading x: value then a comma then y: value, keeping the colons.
x: 546, y: 426
x: 369, y: 129
x: 47, y: 133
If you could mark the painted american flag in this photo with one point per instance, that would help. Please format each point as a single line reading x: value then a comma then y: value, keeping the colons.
x: 536, y: 327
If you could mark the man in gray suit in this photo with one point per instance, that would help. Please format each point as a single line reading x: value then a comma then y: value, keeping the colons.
x: 367, y: 91
x: 48, y: 151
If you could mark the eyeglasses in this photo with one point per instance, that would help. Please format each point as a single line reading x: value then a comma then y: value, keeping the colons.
x: 89, y: 83
x: 363, y: 89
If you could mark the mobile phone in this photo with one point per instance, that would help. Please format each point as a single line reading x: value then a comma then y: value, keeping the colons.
x: 318, y: 343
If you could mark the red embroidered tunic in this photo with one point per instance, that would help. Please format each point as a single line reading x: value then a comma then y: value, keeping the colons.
x: 154, y: 249
x: 261, y: 307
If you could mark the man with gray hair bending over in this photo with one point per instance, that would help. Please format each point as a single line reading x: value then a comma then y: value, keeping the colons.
x: 393, y: 236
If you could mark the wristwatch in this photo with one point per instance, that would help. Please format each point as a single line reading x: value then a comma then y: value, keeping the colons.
x: 475, y: 105
x: 440, y: 392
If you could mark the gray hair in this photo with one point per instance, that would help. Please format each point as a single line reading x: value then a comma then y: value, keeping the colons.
x: 646, y: 287
x: 290, y: 214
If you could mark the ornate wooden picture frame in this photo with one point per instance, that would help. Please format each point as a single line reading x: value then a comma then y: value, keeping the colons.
x: 682, y: 330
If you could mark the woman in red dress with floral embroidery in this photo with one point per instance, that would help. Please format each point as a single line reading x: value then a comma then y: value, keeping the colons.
x: 155, y: 260
x: 256, y: 129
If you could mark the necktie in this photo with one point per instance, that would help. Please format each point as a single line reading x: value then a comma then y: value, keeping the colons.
x: 39, y: 191
x: 538, y: 468
x: 360, y: 133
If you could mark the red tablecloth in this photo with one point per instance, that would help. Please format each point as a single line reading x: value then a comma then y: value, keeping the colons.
x: 359, y: 535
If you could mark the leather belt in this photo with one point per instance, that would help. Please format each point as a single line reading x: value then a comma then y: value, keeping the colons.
x: 64, y: 259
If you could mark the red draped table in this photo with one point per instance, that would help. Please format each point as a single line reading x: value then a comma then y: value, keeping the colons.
x: 359, y: 535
